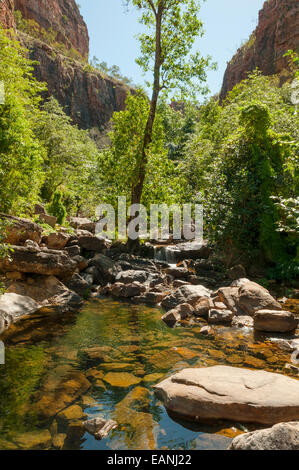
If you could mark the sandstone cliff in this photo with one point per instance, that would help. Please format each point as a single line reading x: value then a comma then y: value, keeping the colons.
x: 276, y: 33
x: 88, y: 96
x: 62, y: 16
x: 6, y: 13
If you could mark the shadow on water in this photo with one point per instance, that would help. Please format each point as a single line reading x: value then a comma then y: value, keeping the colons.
x: 104, y: 361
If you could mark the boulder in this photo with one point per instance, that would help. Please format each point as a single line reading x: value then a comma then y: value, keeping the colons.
x: 253, y: 297
x: 73, y: 250
x: 18, y: 230
x: 220, y: 316
x: 57, y: 240
x: 230, y: 297
x: 78, y: 284
x: 207, y: 331
x: 150, y: 298
x: 282, y: 436
x: 231, y: 393
x: 14, y: 306
x: 127, y: 277
x: 46, y: 262
x: 172, y: 317
x: 245, y: 297
x: 242, y: 321
x: 99, y: 427
x: 275, y: 321
x: 82, y: 223
x: 202, y: 307
x: 127, y: 290
x: 90, y: 243
x: 48, y: 219
x: 181, y: 312
x: 107, y: 268
x: 178, y: 273
x: 185, y: 294
x: 49, y: 293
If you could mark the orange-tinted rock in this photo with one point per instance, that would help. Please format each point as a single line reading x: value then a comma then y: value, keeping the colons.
x: 63, y: 17
x: 6, y: 14
x: 276, y: 33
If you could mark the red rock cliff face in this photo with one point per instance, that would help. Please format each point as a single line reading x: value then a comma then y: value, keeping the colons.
x: 276, y: 33
x: 63, y: 16
x: 6, y: 13
x: 88, y: 97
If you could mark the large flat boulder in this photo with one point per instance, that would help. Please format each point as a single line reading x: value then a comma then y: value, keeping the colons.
x: 36, y: 261
x: 186, y: 294
x: 275, y: 321
x: 282, y: 436
x: 13, y: 307
x: 18, y: 230
x: 230, y: 393
x: 49, y: 293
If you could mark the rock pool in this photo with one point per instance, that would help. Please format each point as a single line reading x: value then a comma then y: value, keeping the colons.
x: 104, y: 360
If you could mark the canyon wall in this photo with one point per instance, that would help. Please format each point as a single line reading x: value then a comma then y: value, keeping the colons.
x: 6, y: 13
x: 86, y: 95
x: 62, y: 16
x: 276, y: 33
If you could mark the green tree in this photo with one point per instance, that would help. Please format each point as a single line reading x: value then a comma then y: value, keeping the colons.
x: 166, y: 50
x: 21, y: 154
x: 57, y: 208
x: 71, y: 157
x: 118, y: 164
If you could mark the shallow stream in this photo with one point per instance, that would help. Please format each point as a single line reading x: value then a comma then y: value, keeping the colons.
x: 104, y: 361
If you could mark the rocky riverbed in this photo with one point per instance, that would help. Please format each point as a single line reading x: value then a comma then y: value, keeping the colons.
x: 207, y: 317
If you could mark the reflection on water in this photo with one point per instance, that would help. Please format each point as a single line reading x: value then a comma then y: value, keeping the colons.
x: 61, y: 370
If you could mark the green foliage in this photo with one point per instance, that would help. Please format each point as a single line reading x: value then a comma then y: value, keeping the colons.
x: 50, y: 36
x: 57, y: 208
x: 71, y: 159
x: 113, y: 71
x: 182, y: 69
x: 119, y: 163
x: 21, y: 154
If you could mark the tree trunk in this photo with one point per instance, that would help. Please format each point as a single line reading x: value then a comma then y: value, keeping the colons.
x: 142, y: 163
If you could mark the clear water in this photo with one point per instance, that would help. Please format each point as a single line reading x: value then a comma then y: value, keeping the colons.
x: 104, y: 361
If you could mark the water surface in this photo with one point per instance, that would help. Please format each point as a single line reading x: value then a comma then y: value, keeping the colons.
x: 104, y: 361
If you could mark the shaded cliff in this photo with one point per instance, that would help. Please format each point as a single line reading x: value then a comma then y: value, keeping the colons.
x: 276, y: 33
x: 87, y: 95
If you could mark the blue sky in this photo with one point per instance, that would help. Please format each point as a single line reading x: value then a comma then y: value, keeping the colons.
x: 112, y: 32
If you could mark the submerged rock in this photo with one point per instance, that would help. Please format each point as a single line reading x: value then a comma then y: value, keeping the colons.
x: 282, y: 436
x: 99, y: 427
x: 230, y: 393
